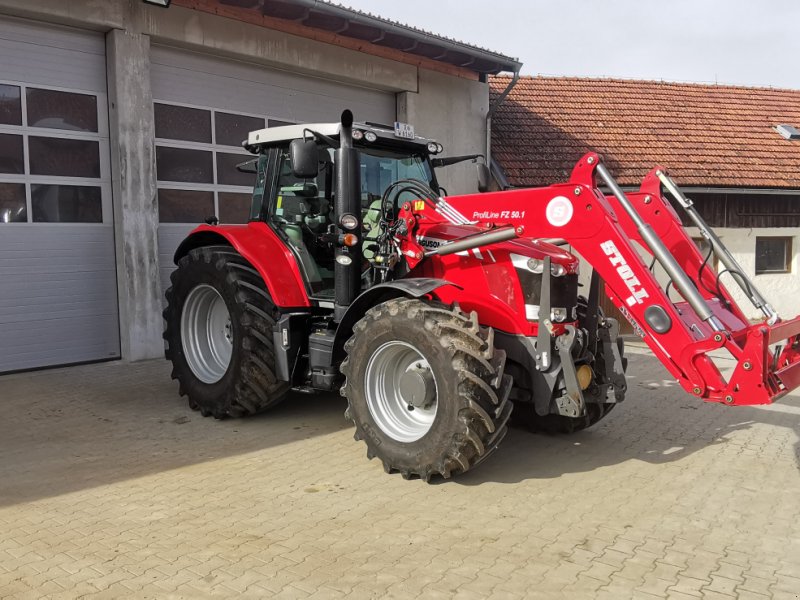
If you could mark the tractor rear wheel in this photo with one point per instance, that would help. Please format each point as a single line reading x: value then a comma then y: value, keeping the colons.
x: 426, y: 388
x: 219, y: 334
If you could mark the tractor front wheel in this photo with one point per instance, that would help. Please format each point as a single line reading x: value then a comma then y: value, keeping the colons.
x: 426, y: 388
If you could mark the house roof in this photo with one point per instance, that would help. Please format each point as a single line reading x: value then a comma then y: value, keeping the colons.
x: 705, y: 135
x: 372, y: 29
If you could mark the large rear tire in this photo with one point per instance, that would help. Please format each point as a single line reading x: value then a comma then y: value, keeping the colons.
x: 426, y: 388
x: 219, y: 321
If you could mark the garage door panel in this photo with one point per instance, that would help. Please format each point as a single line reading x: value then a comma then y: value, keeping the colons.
x: 52, y: 56
x: 27, y: 307
x: 16, y: 291
x: 169, y: 238
x: 57, y: 250
x: 191, y: 78
x: 57, y: 341
x: 58, y: 292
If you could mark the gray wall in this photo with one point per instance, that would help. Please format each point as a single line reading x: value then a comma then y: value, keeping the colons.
x: 452, y: 110
x: 444, y: 107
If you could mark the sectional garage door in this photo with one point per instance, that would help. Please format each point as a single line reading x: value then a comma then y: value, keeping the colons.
x: 204, y: 108
x: 58, y: 299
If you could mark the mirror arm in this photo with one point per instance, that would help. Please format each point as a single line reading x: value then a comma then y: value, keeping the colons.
x: 323, y: 138
x: 451, y: 160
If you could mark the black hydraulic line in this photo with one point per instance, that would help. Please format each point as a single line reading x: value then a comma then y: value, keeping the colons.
x: 719, y: 248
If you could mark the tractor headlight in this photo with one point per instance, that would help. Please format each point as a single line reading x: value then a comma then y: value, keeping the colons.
x: 557, y: 270
x: 434, y: 148
x: 370, y: 136
x: 348, y: 221
x: 358, y: 134
x: 535, y: 265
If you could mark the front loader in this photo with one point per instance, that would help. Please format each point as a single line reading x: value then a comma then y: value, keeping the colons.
x: 437, y: 316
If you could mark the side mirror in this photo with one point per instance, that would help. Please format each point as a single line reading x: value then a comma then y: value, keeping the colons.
x: 304, y: 157
x: 483, y: 177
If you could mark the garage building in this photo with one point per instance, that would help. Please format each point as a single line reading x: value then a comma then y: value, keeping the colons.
x: 121, y: 124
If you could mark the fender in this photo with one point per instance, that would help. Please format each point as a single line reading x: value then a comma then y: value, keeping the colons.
x: 263, y: 249
x: 413, y: 287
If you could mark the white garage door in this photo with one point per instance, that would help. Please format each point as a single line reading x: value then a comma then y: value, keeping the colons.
x: 204, y: 107
x: 58, y: 298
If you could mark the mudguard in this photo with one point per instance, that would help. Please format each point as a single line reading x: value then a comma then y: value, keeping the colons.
x: 412, y: 287
x: 263, y: 249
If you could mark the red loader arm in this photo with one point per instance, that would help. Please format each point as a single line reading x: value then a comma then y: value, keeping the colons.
x: 680, y: 334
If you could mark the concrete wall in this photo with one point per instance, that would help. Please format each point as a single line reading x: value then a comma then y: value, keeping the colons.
x: 453, y: 111
x: 444, y: 107
x: 133, y: 178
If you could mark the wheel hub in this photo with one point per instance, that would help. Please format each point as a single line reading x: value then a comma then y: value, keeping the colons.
x: 206, y: 334
x: 417, y: 386
x: 401, y: 391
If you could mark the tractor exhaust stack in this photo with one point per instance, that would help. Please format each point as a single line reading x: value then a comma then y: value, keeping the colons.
x: 347, y: 270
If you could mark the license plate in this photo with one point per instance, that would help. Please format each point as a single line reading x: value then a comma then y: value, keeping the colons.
x: 403, y: 130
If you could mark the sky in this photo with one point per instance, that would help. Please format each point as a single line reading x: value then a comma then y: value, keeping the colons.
x: 755, y: 42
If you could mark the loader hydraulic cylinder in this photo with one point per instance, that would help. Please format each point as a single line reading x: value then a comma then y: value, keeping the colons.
x: 724, y: 255
x: 662, y: 254
x: 495, y: 236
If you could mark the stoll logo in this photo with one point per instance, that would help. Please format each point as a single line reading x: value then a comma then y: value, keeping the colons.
x: 638, y: 293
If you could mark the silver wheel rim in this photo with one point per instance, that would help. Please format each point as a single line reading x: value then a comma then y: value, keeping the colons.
x: 206, y: 333
x: 401, y: 391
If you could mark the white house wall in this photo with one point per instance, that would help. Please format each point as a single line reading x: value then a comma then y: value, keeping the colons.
x: 781, y: 289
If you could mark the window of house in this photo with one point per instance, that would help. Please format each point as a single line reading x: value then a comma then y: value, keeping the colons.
x: 773, y: 255
x: 197, y: 150
x: 53, y: 156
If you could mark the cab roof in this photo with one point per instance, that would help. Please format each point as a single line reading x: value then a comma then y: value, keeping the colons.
x: 272, y: 136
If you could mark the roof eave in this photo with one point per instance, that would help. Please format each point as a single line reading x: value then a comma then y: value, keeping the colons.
x: 485, y: 62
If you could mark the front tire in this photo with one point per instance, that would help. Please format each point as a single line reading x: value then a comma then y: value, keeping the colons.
x: 426, y: 388
x: 219, y: 334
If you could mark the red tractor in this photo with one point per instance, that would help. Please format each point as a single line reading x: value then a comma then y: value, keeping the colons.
x: 435, y: 316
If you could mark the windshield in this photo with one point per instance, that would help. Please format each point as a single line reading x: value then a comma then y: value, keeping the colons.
x: 381, y: 168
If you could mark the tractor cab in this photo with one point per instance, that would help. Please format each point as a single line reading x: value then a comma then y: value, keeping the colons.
x: 296, y: 183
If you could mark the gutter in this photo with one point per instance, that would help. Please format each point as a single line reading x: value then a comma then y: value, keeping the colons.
x: 504, y: 63
x: 491, y: 112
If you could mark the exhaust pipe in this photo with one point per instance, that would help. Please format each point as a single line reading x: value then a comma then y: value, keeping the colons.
x: 347, y: 271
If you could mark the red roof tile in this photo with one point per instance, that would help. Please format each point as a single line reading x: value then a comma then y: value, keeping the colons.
x: 706, y: 135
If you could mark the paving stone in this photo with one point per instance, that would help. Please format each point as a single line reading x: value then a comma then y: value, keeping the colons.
x: 113, y: 488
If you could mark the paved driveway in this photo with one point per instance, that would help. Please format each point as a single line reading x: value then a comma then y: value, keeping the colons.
x: 111, y: 487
